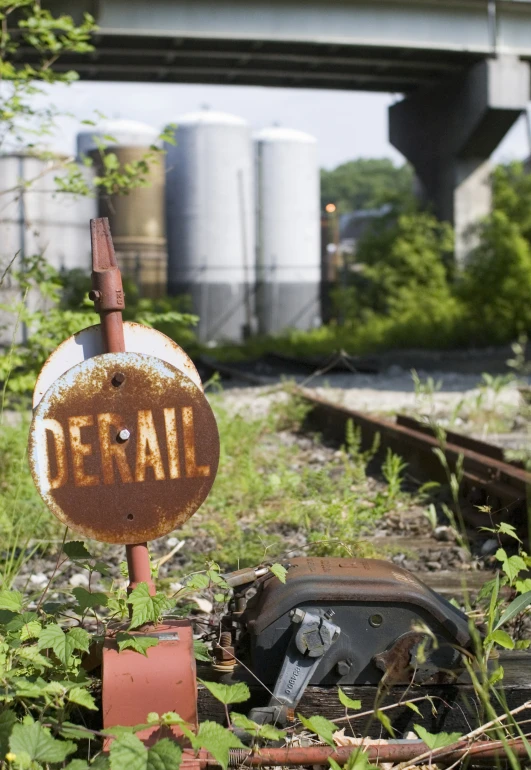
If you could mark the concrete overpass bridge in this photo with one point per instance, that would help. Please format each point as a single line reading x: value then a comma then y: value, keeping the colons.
x: 462, y: 65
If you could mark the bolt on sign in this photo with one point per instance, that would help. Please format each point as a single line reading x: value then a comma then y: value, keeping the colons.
x: 123, y: 447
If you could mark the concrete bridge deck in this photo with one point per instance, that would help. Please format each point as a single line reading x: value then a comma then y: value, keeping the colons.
x: 373, y: 45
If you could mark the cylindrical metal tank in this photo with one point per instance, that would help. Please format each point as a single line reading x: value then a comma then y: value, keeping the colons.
x: 209, y: 215
x: 136, y: 219
x: 288, y: 258
x: 36, y: 219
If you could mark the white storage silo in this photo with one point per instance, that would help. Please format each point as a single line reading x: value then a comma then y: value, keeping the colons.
x: 36, y: 219
x: 288, y: 258
x: 209, y: 221
x: 136, y: 219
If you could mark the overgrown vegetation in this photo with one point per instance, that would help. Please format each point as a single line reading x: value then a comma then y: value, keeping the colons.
x: 276, y: 494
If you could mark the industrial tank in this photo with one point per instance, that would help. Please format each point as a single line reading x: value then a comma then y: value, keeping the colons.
x: 288, y: 258
x: 209, y: 214
x: 36, y: 219
x: 136, y: 219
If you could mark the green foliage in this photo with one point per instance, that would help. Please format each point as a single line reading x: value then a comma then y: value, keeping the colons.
x: 382, y: 717
x: 146, y: 608
x: 217, y: 740
x: 164, y: 755
x: 366, y: 183
x: 128, y: 753
x: 228, y: 693
x: 347, y: 702
x: 136, y: 643
x: 266, y: 732
x: 267, y: 492
x: 404, y: 267
x: 517, y: 606
x: 279, y: 572
x: 322, y: 727
x: 437, y: 741
x: 31, y: 742
x: 497, y: 281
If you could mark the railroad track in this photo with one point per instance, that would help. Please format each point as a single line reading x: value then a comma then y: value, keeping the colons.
x: 487, y: 478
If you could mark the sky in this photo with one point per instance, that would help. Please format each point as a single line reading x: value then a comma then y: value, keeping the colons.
x: 347, y: 124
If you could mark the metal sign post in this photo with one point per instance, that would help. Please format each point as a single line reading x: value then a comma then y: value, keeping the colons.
x: 109, y: 301
x: 124, y: 448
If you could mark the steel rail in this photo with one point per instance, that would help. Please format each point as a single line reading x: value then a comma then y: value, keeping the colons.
x: 504, y: 484
x: 392, y: 751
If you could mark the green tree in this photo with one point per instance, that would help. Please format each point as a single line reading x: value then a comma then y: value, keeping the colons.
x: 367, y: 183
x: 404, y: 262
x: 511, y: 194
x: 496, y: 284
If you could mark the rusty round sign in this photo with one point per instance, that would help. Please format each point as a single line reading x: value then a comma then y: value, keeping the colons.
x: 88, y: 343
x: 123, y: 448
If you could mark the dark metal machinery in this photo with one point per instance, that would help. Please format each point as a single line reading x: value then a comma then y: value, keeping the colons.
x: 343, y: 621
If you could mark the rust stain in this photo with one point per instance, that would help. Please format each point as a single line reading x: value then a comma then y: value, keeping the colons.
x: 124, y: 490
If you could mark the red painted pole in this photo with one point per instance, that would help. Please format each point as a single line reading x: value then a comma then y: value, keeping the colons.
x: 108, y: 297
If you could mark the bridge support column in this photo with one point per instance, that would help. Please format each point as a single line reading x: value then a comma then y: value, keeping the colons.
x: 449, y: 132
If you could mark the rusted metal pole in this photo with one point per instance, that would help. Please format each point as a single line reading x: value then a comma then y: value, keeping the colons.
x: 392, y: 751
x: 108, y: 297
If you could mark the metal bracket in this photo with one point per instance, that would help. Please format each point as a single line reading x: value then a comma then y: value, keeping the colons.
x: 313, y: 635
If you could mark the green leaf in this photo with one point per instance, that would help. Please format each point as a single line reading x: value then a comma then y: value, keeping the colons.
x: 502, y: 638
x: 522, y: 586
x: 69, y: 730
x: 80, y: 639
x: 321, y: 727
x: 228, y: 693
x: 31, y: 742
x: 88, y: 600
x: 508, y: 529
x: 137, y: 643
x: 438, y: 740
x: 267, y: 732
x: 128, y: 753
x: 413, y: 707
x: 82, y: 697
x: 347, y: 702
x: 102, y: 568
x: 201, y: 651
x: 7, y: 720
x: 164, y: 755
x: 496, y: 676
x: 517, y: 606
x: 279, y: 572
x: 100, y: 763
x: 11, y: 600
x: 146, y: 608
x: 30, y: 630
x: 217, y: 740
x: 53, y: 637
x: 32, y: 655
x: 512, y: 566
x: 385, y: 721
x: 76, y: 550
x: 198, y: 582
x: 77, y: 764
x: 171, y: 718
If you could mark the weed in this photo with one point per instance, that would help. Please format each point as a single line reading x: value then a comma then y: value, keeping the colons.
x: 392, y: 469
